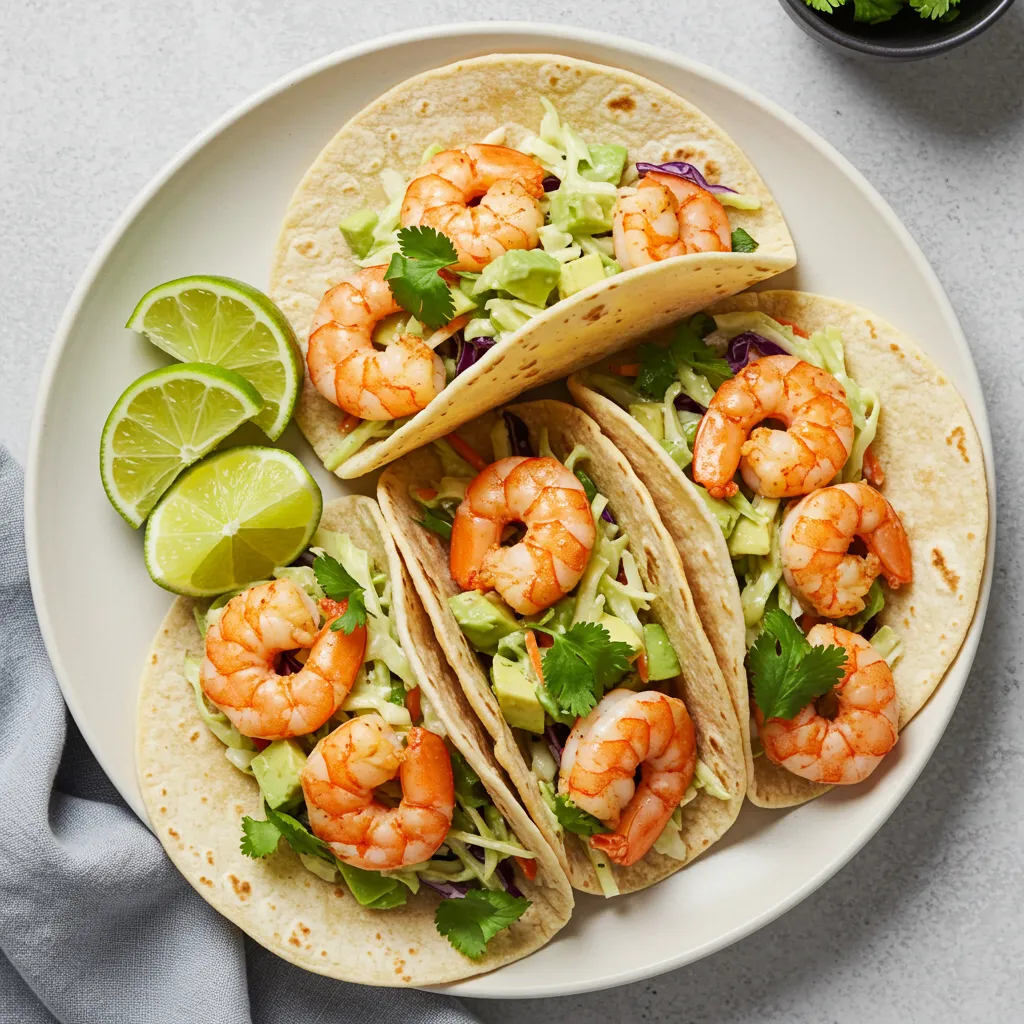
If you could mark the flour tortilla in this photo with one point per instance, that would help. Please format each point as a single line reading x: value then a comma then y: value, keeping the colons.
x: 196, y: 799
x: 462, y: 103
x: 719, y: 745
x: 934, y: 478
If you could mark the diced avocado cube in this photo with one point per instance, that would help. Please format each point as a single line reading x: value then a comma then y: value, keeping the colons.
x: 463, y: 302
x: 620, y: 631
x: 662, y: 660
x: 505, y: 316
x: 579, y: 274
x: 581, y: 213
x: 516, y: 695
x: 277, y: 769
x: 527, y: 274
x: 750, y: 538
x: 722, y: 511
x: 484, y: 618
x: 649, y: 416
x: 371, y: 888
x: 606, y: 163
x: 358, y: 231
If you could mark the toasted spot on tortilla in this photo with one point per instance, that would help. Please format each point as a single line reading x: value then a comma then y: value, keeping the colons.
x: 163, y: 792
x: 711, y: 171
x: 323, y: 952
x: 956, y: 436
x: 243, y: 890
x: 939, y: 561
x: 163, y: 810
x: 152, y: 660
x: 173, y: 834
x: 194, y: 737
x: 209, y: 857
x: 895, y: 348
x: 593, y: 315
x: 623, y: 103
x: 206, y: 881
x: 308, y: 248
x: 871, y: 328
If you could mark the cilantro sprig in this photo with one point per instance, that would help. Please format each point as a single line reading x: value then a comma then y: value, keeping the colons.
x: 339, y: 586
x: 688, y: 347
x: 788, y: 672
x: 657, y: 371
x: 470, y: 923
x: 875, y: 12
x: 414, y: 279
x: 742, y: 241
x: 575, y: 819
x: 260, y: 838
x: 581, y: 663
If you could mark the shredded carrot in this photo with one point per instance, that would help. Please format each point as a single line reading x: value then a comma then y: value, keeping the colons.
x: 797, y: 329
x: 534, y: 652
x: 349, y: 423
x: 529, y: 867
x: 642, y: 668
x: 873, y: 472
x: 450, y: 328
x: 412, y: 703
x: 467, y: 451
x: 426, y: 493
x: 626, y: 369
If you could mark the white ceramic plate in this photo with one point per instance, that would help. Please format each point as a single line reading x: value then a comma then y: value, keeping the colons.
x: 216, y: 210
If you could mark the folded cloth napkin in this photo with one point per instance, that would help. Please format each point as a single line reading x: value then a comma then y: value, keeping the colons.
x: 95, y: 922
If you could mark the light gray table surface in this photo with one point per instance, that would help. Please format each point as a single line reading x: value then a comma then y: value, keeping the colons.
x: 925, y: 923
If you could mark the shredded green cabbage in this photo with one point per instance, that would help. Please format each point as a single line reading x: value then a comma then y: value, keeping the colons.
x: 215, y: 720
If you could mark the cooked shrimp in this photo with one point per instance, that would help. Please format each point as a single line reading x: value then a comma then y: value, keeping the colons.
x: 776, y: 463
x: 371, y: 383
x: 667, y: 216
x: 549, y: 560
x: 508, y: 184
x: 847, y: 746
x: 238, y: 673
x: 600, y: 759
x: 338, y: 781
x: 813, y: 543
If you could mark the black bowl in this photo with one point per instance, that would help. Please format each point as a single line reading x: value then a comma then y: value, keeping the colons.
x: 908, y: 36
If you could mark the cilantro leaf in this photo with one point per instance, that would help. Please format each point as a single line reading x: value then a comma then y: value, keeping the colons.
x: 298, y: 837
x: 657, y: 371
x: 743, y: 242
x: 688, y: 348
x: 414, y: 279
x: 825, y: 6
x: 580, y: 663
x: 259, y: 838
x: 437, y: 523
x: 932, y: 8
x: 339, y: 586
x: 788, y: 672
x: 874, y: 12
x: 471, y: 922
x: 575, y: 819
x: 702, y: 325
x: 468, y: 787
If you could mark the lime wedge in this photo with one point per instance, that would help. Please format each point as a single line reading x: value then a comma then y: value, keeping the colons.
x: 231, y: 324
x: 163, y: 423
x: 230, y: 520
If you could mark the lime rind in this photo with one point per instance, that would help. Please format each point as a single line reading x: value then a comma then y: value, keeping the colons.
x: 280, y: 372
x: 166, y: 443
x: 230, y: 520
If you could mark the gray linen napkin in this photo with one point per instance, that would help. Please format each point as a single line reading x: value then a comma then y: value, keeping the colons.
x: 95, y: 922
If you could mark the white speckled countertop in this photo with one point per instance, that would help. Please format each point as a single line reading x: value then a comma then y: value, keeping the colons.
x: 926, y: 923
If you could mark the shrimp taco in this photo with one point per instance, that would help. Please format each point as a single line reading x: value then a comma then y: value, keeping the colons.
x: 575, y: 639
x: 316, y: 708
x: 834, y: 587
x: 491, y: 225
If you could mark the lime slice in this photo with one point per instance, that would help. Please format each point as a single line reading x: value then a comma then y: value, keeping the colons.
x: 229, y: 323
x: 163, y: 423
x: 230, y: 520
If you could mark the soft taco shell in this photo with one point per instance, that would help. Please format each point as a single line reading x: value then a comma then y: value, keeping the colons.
x: 196, y: 799
x: 927, y: 446
x: 460, y: 104
x: 719, y: 745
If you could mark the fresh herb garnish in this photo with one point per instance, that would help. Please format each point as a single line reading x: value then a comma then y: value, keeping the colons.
x: 657, y: 371
x: 788, y: 672
x: 581, y: 663
x: 742, y: 242
x: 414, y: 279
x: 468, y: 787
x: 575, y: 819
x: 339, y: 586
x: 875, y: 12
x: 260, y: 838
x: 471, y: 922
x: 688, y: 347
x: 589, y: 487
x: 437, y: 521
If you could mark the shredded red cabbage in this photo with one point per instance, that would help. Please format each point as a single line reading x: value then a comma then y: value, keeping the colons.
x: 685, y: 403
x: 289, y: 663
x: 449, y: 890
x: 518, y: 435
x: 504, y: 872
x: 739, y: 351
x: 307, y: 558
x: 469, y: 351
x: 556, y: 735
x: 681, y: 169
x: 551, y: 183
